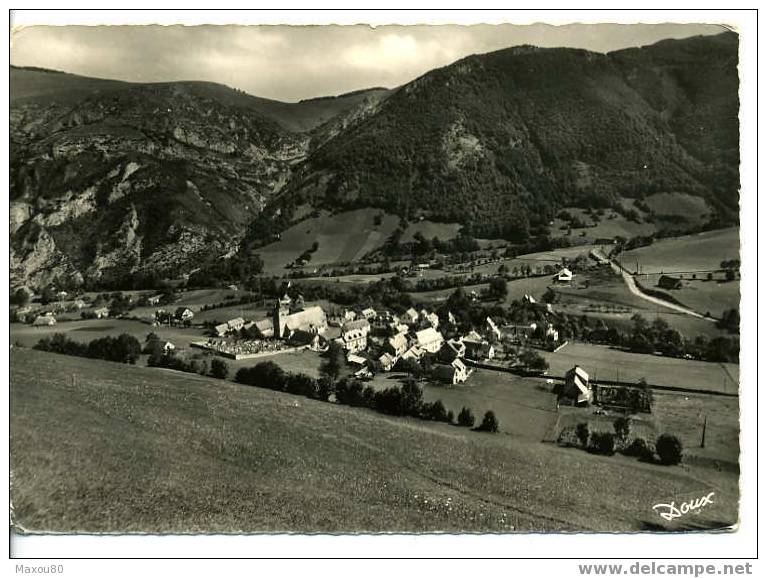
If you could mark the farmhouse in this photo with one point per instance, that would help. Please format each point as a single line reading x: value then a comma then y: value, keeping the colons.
x: 666, y: 282
x: 432, y: 319
x: 411, y: 315
x: 354, y: 359
x: 429, y: 339
x: 576, y: 389
x: 564, y: 276
x: 184, y: 314
x: 414, y: 353
x: 101, y: 313
x: 221, y: 330
x: 478, y: 349
x: 154, y: 300
x: 492, y: 329
x: 451, y: 350
x: 369, y: 313
x: 385, y: 320
x: 387, y: 362
x: 454, y: 373
x: 520, y: 332
x: 42, y: 320
x: 397, y: 345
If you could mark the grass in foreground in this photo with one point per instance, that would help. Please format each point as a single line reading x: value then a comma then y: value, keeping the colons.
x: 131, y: 449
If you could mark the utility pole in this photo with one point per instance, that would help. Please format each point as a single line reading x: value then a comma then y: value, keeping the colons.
x: 703, y: 432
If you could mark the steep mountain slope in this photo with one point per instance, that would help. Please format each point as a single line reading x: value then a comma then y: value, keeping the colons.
x: 500, y: 141
x: 111, y: 181
x: 138, y: 177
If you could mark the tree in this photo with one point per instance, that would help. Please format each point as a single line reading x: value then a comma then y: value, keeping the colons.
x: 466, y: 417
x: 265, y: 374
x: 730, y: 321
x: 219, y: 368
x: 435, y: 411
x: 669, y: 449
x: 324, y: 388
x: 489, y: 423
x: 412, y: 397
x: 602, y: 443
x: 582, y: 433
x: 498, y: 288
x: 20, y: 297
x: 533, y: 360
x: 622, y: 427
x: 334, y: 363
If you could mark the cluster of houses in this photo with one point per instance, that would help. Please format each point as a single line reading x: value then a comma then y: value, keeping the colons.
x: 410, y: 337
x: 181, y: 316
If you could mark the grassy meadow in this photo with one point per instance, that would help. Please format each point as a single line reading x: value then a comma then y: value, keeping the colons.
x: 99, y: 447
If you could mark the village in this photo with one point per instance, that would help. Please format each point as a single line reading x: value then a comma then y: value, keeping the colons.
x: 438, y: 350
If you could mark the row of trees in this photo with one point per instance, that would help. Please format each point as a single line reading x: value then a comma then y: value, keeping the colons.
x: 123, y: 349
x: 667, y: 447
x: 404, y: 400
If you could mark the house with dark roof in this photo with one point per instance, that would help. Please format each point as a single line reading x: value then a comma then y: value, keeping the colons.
x: 576, y: 389
x: 666, y: 282
x: 454, y: 373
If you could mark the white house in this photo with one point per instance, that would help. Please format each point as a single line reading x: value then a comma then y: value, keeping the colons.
x: 411, y: 315
x: 492, y: 329
x: 454, y: 373
x: 397, y: 345
x: 43, y: 320
x: 429, y: 339
x: 354, y: 335
x: 564, y: 276
x: 387, y: 361
x: 369, y: 313
x: 101, y: 313
x: 222, y: 329
x: 576, y: 388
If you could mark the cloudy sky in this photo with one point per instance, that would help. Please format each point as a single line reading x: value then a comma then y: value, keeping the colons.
x: 290, y: 63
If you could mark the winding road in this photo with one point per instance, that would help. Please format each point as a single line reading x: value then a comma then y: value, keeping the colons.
x: 628, y: 278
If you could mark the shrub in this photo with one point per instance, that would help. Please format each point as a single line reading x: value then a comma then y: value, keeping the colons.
x: 450, y: 417
x: 489, y: 423
x: 669, y: 449
x: 219, y: 369
x: 639, y: 448
x: 466, y: 417
x: 602, y: 443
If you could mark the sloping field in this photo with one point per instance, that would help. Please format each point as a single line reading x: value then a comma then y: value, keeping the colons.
x: 693, y: 208
x: 713, y: 296
x: 129, y: 449
x: 602, y: 362
x: 700, y: 252
x: 430, y: 229
x: 87, y: 330
x: 606, y: 228
x: 342, y: 237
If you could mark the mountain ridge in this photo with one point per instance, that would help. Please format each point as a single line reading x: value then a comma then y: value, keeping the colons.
x: 110, y: 180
